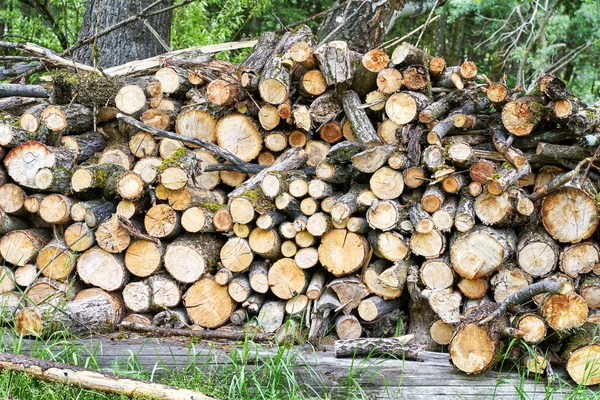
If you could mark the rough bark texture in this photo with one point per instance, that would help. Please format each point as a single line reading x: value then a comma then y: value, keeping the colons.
x: 130, y: 42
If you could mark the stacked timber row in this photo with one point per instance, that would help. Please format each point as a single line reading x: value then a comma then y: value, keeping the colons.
x: 309, y: 188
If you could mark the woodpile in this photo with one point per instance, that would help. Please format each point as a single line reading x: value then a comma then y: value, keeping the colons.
x: 310, y: 187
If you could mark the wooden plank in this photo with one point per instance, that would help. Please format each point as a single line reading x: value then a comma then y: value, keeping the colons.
x: 378, y: 378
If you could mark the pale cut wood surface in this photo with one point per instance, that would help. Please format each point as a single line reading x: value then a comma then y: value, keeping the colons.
x: 432, y: 377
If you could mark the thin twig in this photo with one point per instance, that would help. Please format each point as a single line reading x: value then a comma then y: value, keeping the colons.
x: 395, y: 41
x: 427, y: 22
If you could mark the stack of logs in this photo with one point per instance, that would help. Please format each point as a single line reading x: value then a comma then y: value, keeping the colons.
x: 310, y: 188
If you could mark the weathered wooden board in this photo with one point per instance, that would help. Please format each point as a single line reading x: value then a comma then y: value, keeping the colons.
x: 378, y: 378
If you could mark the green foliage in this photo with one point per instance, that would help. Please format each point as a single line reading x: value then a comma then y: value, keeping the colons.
x: 214, y: 21
x: 51, y: 24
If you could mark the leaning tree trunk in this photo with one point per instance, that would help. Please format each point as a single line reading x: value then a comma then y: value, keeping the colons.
x: 133, y: 41
x: 365, y: 24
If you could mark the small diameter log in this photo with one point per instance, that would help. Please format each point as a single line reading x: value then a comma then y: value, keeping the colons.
x: 258, y: 276
x: 12, y: 199
x: 454, y: 183
x: 479, y: 252
x: 443, y: 219
x: 95, y: 215
x: 508, y: 280
x: 481, y: 170
x: 161, y: 221
x: 445, y: 303
x: 197, y: 219
x: 403, y: 108
x: 372, y: 159
x: 144, y: 258
x: 254, y: 303
x: 236, y: 255
x: 532, y: 325
x: 137, y: 297
x: 189, y: 256
x: 564, y: 311
x: 473, y: 288
x: 79, y: 237
x: 208, y: 304
x: 239, y: 288
x: 521, y: 116
x: 373, y: 307
x: 78, y: 209
x: 342, y: 252
x: 348, y: 327
x: 101, y: 176
x: 441, y: 332
x: 111, y: 236
x: 580, y: 258
x: 8, y: 223
x: 102, y: 269
x: 389, y: 245
x: 316, y: 284
x: 387, y: 183
x: 537, y: 253
x: 265, y: 243
x: 589, y: 289
x: 428, y: 245
x: 7, y: 279
x: 274, y: 85
x: 389, y: 80
x: 494, y: 210
x: 23, y: 276
x: 386, y: 282
x: 20, y: 247
x: 362, y: 127
x: 420, y: 219
x: 450, y: 78
x: 225, y: 91
x: 396, y: 346
x: 437, y: 273
x: 85, y: 145
x: 569, y: 214
x: 433, y: 198
x: 130, y: 186
x: 55, y: 261
x: 271, y: 315
x: 464, y: 219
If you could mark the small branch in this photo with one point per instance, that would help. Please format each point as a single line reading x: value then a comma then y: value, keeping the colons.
x: 310, y: 19
x: 206, y: 334
x: 9, y: 90
x: 395, y: 41
x: 127, y: 225
x: 523, y: 295
x: 394, y: 346
x: 427, y: 22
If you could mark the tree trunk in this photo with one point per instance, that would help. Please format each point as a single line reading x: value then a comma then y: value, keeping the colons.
x: 365, y: 24
x: 131, y: 42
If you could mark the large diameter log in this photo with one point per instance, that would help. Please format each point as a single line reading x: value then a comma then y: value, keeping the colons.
x: 428, y: 245
x: 208, y: 304
x: 564, y: 311
x: 236, y: 255
x: 24, y: 161
x: 191, y: 255
x: 386, y: 282
x: 237, y: 134
x: 570, y: 214
x: 521, y: 116
x: 286, y: 279
x: 582, y: 353
x: 67, y: 374
x: 479, y: 252
x: 342, y: 252
x: 100, y: 268
x: 21, y: 247
x: 580, y: 258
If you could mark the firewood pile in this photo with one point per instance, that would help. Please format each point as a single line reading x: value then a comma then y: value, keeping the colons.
x: 310, y: 190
